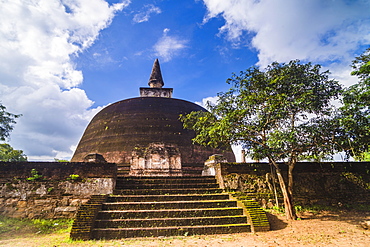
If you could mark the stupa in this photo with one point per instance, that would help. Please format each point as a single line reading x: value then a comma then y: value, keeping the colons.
x: 146, y: 132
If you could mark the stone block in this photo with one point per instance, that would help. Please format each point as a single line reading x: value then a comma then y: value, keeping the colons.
x: 18, y: 214
x: 11, y: 202
x: 64, y: 201
x: 65, y: 209
x: 22, y: 204
x: 42, y: 202
x: 75, y: 202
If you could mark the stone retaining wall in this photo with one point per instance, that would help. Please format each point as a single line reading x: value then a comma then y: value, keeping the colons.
x: 328, y: 183
x: 53, y: 193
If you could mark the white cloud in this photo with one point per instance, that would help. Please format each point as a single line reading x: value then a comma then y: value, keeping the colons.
x: 38, y: 78
x: 282, y: 30
x: 169, y: 46
x: 147, y: 11
x: 207, y: 100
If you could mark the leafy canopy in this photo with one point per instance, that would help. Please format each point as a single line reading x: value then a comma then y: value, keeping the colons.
x: 6, y: 122
x: 7, y: 153
x: 277, y: 113
x: 354, y: 116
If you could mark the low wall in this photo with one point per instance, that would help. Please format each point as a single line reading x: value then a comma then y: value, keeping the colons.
x: 55, y: 191
x: 327, y: 183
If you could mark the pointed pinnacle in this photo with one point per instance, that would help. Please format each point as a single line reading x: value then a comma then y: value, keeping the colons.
x: 155, y: 79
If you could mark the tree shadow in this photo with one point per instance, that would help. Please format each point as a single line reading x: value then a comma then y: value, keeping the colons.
x: 350, y: 216
x: 275, y: 222
x: 353, y: 217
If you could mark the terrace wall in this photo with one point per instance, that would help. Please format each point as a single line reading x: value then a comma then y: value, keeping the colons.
x: 327, y: 183
x: 54, y: 193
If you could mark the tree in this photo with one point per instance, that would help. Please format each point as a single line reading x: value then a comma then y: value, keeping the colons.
x: 7, y: 153
x: 354, y: 117
x: 6, y: 122
x: 278, y: 114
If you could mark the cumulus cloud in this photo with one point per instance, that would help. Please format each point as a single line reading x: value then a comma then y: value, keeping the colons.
x: 331, y: 33
x: 282, y: 30
x: 205, y: 101
x: 169, y: 46
x: 147, y: 11
x: 38, y: 39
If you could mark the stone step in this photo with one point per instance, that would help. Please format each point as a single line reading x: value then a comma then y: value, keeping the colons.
x: 191, y: 173
x: 166, y: 180
x: 167, y: 205
x: 166, y: 191
x: 158, y: 198
x: 169, y: 213
x: 165, y: 222
x: 116, y: 233
x: 121, y: 186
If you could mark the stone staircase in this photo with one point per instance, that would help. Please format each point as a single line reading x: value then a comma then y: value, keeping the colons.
x: 123, y: 169
x: 188, y: 169
x: 168, y: 206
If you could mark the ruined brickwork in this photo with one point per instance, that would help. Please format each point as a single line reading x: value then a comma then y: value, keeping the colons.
x: 158, y: 159
x: 51, y: 189
x: 327, y: 184
x: 57, y: 194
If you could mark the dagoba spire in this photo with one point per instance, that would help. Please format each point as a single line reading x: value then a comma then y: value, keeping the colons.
x: 156, y: 84
x: 156, y: 80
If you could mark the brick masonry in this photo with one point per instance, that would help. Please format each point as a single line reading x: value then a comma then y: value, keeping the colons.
x: 327, y: 183
x: 54, y: 193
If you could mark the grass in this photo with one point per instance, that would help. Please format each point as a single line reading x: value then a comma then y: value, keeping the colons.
x: 316, y: 208
x: 39, y: 226
x: 46, y: 233
x: 335, y: 208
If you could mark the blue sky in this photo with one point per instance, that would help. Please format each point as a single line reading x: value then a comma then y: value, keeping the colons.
x: 194, y: 58
x: 61, y: 61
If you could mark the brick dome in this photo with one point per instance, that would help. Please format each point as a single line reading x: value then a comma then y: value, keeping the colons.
x: 117, y: 130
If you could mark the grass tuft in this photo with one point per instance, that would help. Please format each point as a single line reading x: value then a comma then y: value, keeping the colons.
x: 40, y: 226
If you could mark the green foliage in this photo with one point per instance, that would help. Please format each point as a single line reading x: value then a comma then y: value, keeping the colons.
x: 275, y: 209
x: 7, y: 153
x: 37, y: 225
x: 52, y: 225
x: 73, y: 177
x: 356, y: 179
x: 354, y: 117
x: 6, y: 122
x: 280, y: 113
x: 58, y: 160
x: 11, y: 224
x: 361, y: 66
x: 34, y: 175
x: 316, y: 208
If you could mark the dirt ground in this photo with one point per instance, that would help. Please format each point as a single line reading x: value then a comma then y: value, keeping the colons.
x: 320, y: 229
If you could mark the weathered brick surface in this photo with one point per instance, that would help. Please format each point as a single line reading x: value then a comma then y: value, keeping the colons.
x: 56, y: 170
x: 55, y: 194
x: 327, y: 183
x: 167, y: 206
x: 84, y: 221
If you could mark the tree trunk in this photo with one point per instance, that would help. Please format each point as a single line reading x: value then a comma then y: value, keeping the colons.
x: 288, y: 202
x: 290, y: 186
